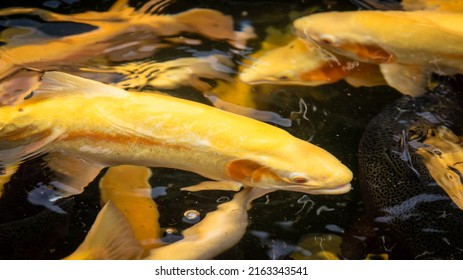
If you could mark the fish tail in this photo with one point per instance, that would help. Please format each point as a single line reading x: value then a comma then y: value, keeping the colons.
x: 110, y: 238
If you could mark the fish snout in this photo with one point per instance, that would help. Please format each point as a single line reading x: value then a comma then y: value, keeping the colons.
x: 338, y: 182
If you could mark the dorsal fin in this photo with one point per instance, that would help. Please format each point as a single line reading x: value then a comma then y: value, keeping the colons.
x: 54, y: 84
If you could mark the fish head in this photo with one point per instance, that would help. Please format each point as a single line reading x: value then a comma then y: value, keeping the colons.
x: 343, y: 33
x: 442, y: 155
x: 297, y: 166
x: 300, y: 62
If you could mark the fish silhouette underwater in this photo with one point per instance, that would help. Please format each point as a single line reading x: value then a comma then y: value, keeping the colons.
x: 410, y: 178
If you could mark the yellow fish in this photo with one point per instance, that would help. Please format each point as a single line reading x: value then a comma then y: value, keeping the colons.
x: 112, y: 235
x: 407, y: 45
x: 84, y: 126
x: 297, y: 63
x: 301, y: 62
x: 442, y: 153
x: 217, y: 232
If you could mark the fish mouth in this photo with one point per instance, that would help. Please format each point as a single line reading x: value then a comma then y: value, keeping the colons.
x: 342, y: 189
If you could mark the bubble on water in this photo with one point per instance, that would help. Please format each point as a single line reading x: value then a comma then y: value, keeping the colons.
x: 191, y: 216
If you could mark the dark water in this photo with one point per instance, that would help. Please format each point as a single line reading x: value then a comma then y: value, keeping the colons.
x: 335, y: 119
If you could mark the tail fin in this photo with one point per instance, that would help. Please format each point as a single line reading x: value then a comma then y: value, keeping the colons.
x: 110, y: 238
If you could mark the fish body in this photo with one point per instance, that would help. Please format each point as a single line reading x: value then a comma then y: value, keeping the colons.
x: 407, y: 45
x: 92, y: 125
x: 400, y: 195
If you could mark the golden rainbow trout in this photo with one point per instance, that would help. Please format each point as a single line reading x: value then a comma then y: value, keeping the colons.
x: 84, y: 126
x: 407, y: 45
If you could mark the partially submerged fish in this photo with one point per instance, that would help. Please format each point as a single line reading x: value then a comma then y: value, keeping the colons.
x: 217, y: 232
x: 442, y: 153
x: 112, y: 235
x: 301, y: 62
x: 83, y: 126
x: 407, y: 45
x: 409, y: 212
x: 297, y: 63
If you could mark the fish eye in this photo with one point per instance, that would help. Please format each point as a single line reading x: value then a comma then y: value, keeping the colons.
x: 299, y: 180
x: 327, y: 39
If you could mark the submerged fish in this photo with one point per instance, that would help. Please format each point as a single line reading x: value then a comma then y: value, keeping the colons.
x: 217, y: 232
x: 113, y: 235
x: 84, y: 126
x: 407, y: 45
x: 301, y: 62
x: 442, y: 153
x: 297, y: 63
x: 410, y: 212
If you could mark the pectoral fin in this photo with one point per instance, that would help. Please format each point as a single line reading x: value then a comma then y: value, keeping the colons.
x: 110, y: 238
x: 214, y: 185
x: 365, y: 74
x: 408, y: 79
x: 70, y: 174
x: 242, y: 169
